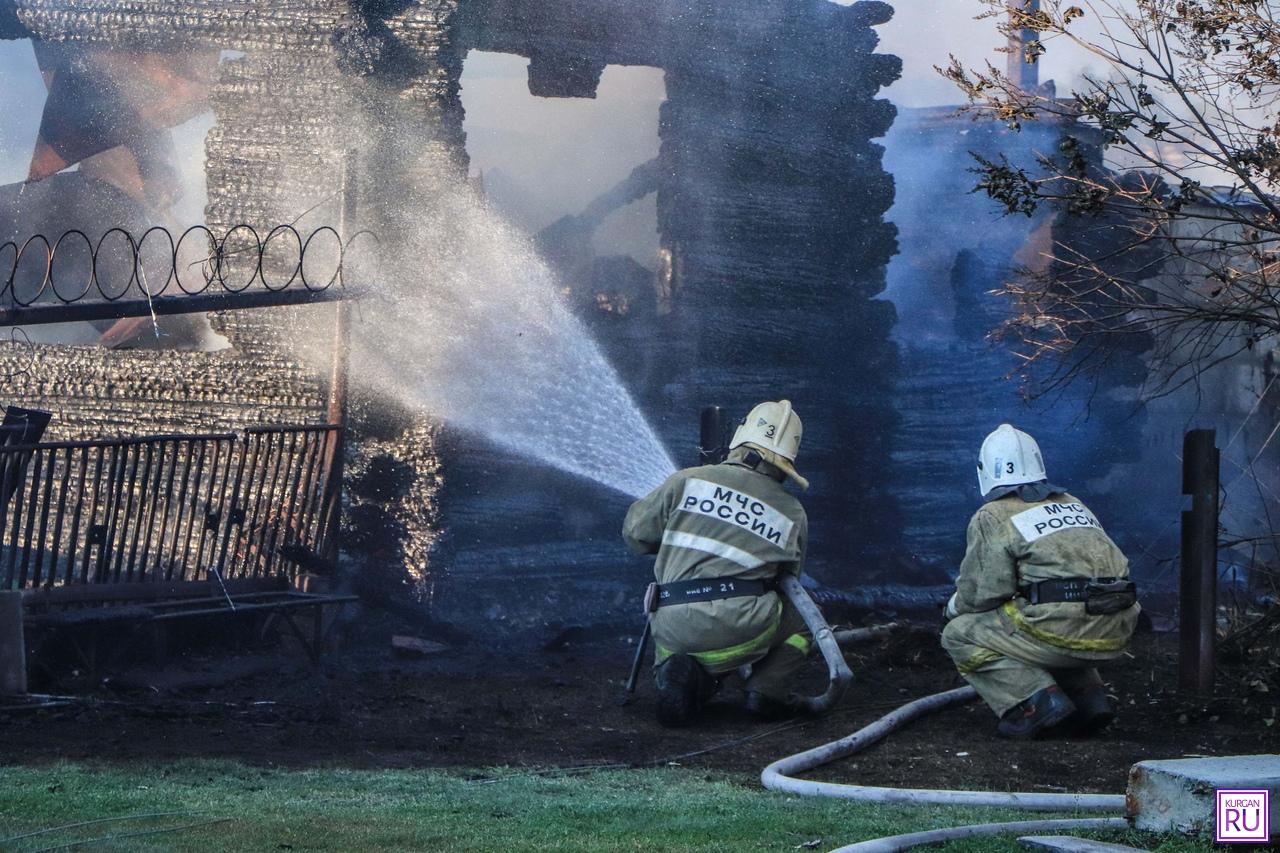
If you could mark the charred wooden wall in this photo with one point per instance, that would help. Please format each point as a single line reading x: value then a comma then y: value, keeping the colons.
x: 772, y: 206
x: 771, y: 203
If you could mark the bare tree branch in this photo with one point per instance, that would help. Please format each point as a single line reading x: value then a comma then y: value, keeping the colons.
x: 1144, y: 256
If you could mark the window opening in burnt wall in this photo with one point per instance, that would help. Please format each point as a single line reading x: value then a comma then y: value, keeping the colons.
x: 576, y: 169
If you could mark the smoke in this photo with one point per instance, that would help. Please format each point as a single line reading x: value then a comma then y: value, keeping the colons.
x: 22, y: 98
x: 93, y: 199
x: 188, y: 143
x: 956, y: 247
x: 938, y: 213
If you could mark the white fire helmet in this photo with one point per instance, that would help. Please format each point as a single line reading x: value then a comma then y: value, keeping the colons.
x: 1009, y: 457
x: 774, y: 431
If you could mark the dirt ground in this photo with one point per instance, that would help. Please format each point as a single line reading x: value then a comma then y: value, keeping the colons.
x: 559, y: 707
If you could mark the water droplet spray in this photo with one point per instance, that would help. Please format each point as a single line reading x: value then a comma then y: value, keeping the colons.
x: 471, y: 326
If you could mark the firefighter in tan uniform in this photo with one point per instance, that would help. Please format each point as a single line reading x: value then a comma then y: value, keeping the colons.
x: 1043, y: 596
x: 723, y: 534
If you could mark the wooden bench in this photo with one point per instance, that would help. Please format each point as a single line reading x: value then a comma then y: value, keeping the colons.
x: 114, y: 538
x: 82, y: 614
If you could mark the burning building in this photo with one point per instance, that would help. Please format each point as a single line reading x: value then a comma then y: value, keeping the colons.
x: 771, y: 199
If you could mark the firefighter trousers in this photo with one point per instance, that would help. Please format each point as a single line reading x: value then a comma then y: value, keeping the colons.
x: 774, y: 673
x: 1006, y: 666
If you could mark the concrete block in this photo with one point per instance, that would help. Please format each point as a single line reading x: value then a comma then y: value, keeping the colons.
x: 1177, y: 795
x: 1071, y: 844
x: 13, y: 649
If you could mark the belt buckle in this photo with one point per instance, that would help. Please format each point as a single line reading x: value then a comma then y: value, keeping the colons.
x: 650, y: 598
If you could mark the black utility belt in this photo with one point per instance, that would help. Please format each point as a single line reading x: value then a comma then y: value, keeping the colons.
x: 703, y: 589
x: 1099, y: 595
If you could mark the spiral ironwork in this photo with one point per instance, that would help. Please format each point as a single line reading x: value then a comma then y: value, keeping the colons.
x: 217, y: 262
x: 121, y: 274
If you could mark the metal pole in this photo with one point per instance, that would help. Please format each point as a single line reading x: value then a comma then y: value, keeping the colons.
x: 638, y: 660
x: 342, y: 310
x: 45, y: 313
x: 713, y: 436
x: 1198, y: 587
x: 1025, y: 75
x: 337, y: 409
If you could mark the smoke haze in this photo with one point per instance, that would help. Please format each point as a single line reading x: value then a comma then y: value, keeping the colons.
x: 542, y: 159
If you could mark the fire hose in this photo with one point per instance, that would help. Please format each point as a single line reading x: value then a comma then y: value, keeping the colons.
x: 778, y: 776
x: 895, y: 843
x: 839, y: 676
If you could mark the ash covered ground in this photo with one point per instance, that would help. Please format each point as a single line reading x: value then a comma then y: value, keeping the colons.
x: 557, y: 708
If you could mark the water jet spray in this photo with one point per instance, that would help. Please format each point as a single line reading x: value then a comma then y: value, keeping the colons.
x: 475, y: 331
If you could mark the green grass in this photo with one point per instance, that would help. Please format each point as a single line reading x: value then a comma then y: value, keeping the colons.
x: 503, y: 810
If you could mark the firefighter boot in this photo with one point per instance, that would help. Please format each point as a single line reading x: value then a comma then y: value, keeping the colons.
x: 1084, y: 687
x: 1033, y: 716
x: 769, y: 709
x: 1093, y: 711
x: 683, y: 687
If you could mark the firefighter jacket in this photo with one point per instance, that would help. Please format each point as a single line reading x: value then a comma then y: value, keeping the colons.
x: 717, y: 521
x: 1012, y: 543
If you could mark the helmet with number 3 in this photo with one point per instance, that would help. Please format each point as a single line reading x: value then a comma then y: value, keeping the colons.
x: 1009, y: 457
x: 774, y: 430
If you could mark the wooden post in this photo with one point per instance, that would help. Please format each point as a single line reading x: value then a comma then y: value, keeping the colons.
x: 337, y: 408
x: 713, y: 438
x: 13, y: 649
x: 1198, y: 587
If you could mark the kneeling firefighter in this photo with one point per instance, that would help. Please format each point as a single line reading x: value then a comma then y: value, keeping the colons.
x: 1042, y: 597
x: 723, y: 535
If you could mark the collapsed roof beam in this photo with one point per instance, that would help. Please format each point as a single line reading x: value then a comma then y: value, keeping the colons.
x: 656, y: 33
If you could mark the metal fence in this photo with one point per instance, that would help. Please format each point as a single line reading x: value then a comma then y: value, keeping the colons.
x: 166, y: 508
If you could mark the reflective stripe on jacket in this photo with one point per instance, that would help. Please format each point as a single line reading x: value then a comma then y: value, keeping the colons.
x: 724, y: 520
